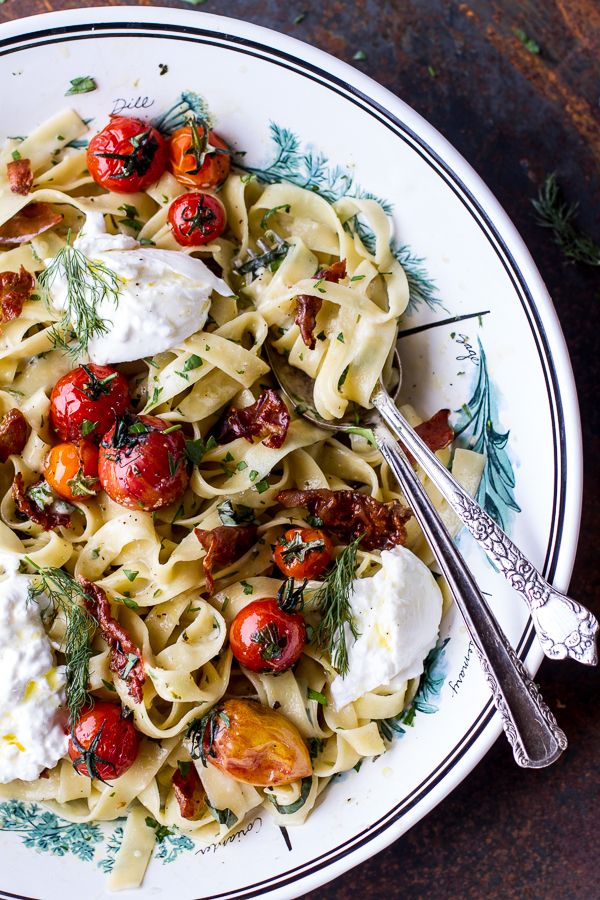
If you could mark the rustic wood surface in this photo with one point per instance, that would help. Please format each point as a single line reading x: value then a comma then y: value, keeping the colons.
x: 515, y: 116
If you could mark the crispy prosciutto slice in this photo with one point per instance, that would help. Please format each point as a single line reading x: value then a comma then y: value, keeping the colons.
x: 41, y: 513
x: 223, y: 546
x: 307, y: 306
x: 349, y: 514
x: 15, y: 289
x: 33, y: 219
x: 20, y: 176
x: 125, y: 656
x: 188, y: 791
x: 267, y: 417
x: 14, y: 431
x: 435, y: 432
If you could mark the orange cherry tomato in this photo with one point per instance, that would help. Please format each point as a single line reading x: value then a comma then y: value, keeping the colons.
x: 196, y: 219
x: 197, y: 157
x: 104, y: 744
x: 71, y: 470
x: 253, y: 744
x: 264, y: 638
x: 303, y: 552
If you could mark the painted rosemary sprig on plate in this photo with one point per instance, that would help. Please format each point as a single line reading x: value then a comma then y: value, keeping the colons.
x: 66, y: 595
x: 89, y: 283
x: 332, y: 600
x: 555, y: 213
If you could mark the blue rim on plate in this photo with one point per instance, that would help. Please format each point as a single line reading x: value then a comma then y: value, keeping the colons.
x: 409, y: 127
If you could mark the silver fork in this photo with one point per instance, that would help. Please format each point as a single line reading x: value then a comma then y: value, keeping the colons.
x: 529, y: 725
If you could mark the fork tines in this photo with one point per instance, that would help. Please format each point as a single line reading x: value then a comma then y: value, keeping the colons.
x: 272, y: 248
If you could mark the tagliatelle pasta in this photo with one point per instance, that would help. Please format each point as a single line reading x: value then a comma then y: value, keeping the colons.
x: 150, y: 564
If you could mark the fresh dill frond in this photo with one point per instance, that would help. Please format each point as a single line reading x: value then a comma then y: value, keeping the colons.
x: 332, y: 600
x: 89, y: 283
x: 555, y: 213
x: 66, y: 595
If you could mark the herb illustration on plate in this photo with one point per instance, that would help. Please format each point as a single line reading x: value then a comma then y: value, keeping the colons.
x: 45, y: 832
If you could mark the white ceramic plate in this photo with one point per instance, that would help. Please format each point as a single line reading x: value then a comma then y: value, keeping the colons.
x: 301, y: 114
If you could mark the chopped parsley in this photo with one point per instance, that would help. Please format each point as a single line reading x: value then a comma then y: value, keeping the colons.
x: 195, y: 449
x: 316, y: 695
x: 81, y: 85
x: 264, y: 222
x: 132, y: 659
x: 87, y: 426
x: 193, y: 362
x: 234, y: 515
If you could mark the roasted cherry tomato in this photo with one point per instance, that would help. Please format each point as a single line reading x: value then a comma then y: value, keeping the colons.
x: 196, y: 219
x: 303, y: 552
x: 71, y: 470
x: 253, y: 743
x: 85, y: 401
x: 103, y: 743
x: 264, y: 638
x: 198, y: 157
x: 127, y: 155
x: 143, y: 463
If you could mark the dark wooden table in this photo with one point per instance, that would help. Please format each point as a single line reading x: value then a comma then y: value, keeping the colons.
x: 516, y: 116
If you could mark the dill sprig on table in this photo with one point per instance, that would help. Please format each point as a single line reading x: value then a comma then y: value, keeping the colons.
x: 88, y: 283
x: 555, y: 213
x: 332, y: 600
x: 65, y: 594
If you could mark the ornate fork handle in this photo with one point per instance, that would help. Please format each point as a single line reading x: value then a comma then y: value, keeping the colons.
x: 530, y: 726
x: 563, y: 626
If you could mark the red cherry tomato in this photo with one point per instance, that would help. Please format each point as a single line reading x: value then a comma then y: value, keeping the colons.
x: 127, y: 155
x: 71, y: 470
x: 194, y: 157
x: 303, y: 552
x: 196, y: 219
x: 264, y: 638
x: 103, y: 743
x: 143, y: 464
x: 85, y: 401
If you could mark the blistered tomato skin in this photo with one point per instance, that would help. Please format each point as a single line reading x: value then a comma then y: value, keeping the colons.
x: 127, y: 155
x: 103, y: 743
x: 186, y: 152
x: 255, y: 744
x: 85, y: 401
x: 196, y: 219
x: 140, y: 466
x: 71, y: 470
x: 264, y: 638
